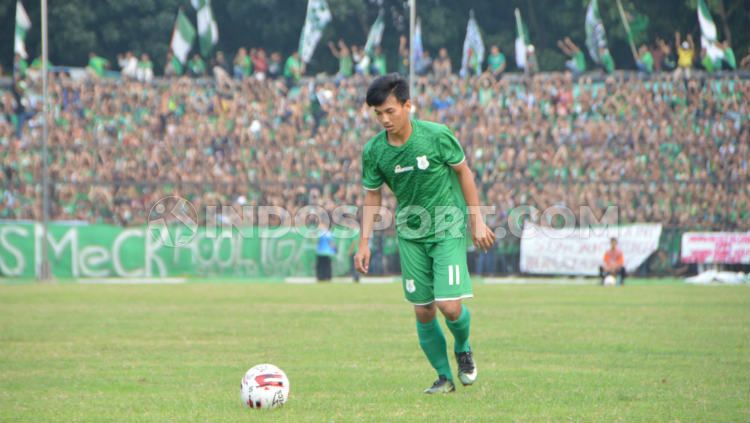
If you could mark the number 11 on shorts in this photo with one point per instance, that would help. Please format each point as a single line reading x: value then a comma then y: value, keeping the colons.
x: 451, y: 269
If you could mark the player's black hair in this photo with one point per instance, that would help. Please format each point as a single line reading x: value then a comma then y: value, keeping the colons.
x: 384, y: 86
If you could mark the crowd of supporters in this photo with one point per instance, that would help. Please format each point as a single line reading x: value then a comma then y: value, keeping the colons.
x: 668, y: 148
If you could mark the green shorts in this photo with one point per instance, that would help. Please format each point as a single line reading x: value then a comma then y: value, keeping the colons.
x: 434, y: 271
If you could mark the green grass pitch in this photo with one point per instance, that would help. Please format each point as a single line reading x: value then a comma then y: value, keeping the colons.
x: 92, y: 353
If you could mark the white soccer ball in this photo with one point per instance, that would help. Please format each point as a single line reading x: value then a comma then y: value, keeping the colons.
x: 264, y: 386
x: 610, y: 280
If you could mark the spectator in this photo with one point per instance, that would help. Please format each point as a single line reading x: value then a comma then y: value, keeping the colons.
x: 243, y: 65
x: 532, y: 66
x: 378, y: 62
x: 325, y: 250
x: 145, y: 69
x: 20, y: 66
x: 346, y: 66
x: 496, y: 62
x: 645, y: 62
x: 293, y: 69
x: 403, y: 55
x: 613, y: 263
x: 97, y: 65
x: 423, y: 66
x: 607, y: 62
x: 173, y: 67
x: 442, y: 67
x: 667, y: 61
x: 260, y: 63
x: 197, y: 67
x: 361, y: 61
x: 577, y: 62
x: 685, y: 55
x: 274, y: 66
x: 128, y: 65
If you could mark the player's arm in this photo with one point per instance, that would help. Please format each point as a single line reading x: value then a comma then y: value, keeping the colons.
x: 373, y: 200
x: 482, y: 236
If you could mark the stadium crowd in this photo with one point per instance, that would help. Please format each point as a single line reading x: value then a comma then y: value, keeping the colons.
x: 670, y: 149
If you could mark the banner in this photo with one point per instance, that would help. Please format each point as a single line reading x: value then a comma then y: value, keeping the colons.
x: 576, y: 251
x: 138, y: 252
x: 716, y: 247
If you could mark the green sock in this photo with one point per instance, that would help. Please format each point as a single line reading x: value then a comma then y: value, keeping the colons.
x: 460, y: 330
x: 432, y: 341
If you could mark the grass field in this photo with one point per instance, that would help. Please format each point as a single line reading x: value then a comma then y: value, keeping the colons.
x: 71, y: 353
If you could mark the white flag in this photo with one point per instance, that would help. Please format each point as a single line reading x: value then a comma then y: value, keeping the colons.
x: 182, y: 37
x: 522, y: 42
x: 318, y: 16
x: 208, y: 31
x: 709, y: 37
x: 23, y: 23
x: 376, y: 34
x: 473, y: 56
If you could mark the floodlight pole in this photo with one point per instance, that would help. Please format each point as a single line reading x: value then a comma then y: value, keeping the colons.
x: 44, y: 270
x: 412, y: 29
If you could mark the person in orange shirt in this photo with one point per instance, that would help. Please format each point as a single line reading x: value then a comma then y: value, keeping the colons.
x: 614, y: 263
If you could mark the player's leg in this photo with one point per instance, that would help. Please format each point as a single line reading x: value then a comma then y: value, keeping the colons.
x: 452, y: 284
x: 416, y: 269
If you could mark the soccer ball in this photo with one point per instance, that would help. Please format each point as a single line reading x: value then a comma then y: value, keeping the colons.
x: 264, y: 386
x: 610, y: 280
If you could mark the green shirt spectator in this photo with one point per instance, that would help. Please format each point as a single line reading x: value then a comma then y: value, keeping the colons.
x: 97, y: 65
x: 580, y: 61
x: 196, y: 66
x: 293, y: 67
x: 496, y: 61
x: 608, y: 63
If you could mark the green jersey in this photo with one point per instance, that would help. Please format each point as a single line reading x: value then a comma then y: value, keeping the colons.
x: 431, y: 205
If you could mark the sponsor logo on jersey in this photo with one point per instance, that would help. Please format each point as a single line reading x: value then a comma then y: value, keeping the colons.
x: 400, y: 169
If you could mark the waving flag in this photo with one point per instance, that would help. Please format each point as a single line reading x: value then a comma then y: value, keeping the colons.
x: 596, y: 37
x: 208, y: 31
x: 418, y: 47
x: 23, y: 23
x: 473, y: 56
x: 376, y: 34
x: 182, y: 37
x: 709, y: 37
x: 522, y: 41
x: 318, y: 16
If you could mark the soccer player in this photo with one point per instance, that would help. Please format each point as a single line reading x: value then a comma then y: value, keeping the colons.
x: 425, y: 167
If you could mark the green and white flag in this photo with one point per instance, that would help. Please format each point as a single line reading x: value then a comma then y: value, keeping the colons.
x: 182, y: 37
x: 709, y: 37
x: 473, y: 55
x: 522, y: 41
x: 376, y: 34
x: 208, y: 31
x: 23, y: 23
x: 596, y: 37
x: 318, y: 16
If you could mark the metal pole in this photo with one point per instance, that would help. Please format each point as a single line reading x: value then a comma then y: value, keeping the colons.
x: 45, y: 270
x: 412, y: 29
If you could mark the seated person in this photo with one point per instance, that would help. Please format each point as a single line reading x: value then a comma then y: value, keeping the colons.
x: 614, y: 264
